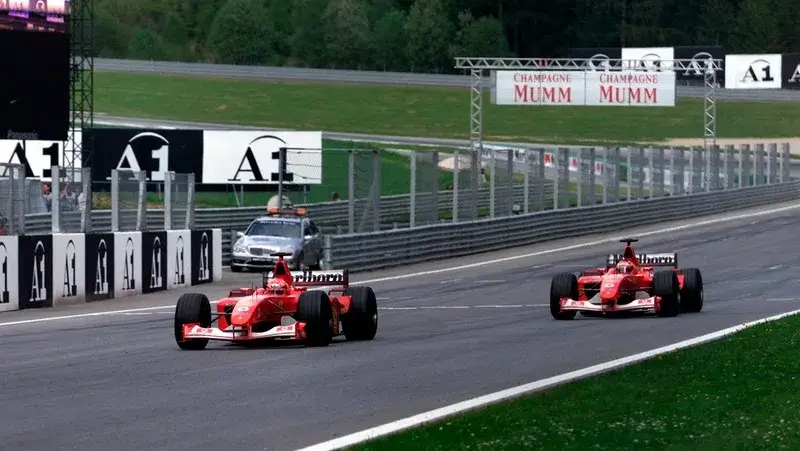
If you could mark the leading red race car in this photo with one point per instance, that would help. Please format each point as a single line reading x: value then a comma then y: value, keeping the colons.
x: 310, y: 307
x: 628, y: 283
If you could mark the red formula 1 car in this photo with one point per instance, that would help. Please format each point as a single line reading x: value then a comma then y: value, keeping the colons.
x: 628, y: 283
x: 310, y: 307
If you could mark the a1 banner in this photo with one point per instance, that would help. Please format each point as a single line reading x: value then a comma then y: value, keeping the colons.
x: 69, y: 268
x: 790, y: 68
x: 202, y: 257
x: 154, y: 261
x: 698, y: 57
x: 99, y: 266
x: 648, y: 58
x: 9, y: 273
x: 35, y: 271
x: 753, y: 71
x: 179, y: 258
x: 127, y: 264
x: 153, y: 151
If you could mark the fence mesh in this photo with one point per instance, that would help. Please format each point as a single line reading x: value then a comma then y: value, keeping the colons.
x: 425, y: 175
x: 71, y: 199
x: 180, y: 201
x: 18, y: 196
x: 128, y: 200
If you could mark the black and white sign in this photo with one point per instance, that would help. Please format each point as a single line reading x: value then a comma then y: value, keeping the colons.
x: 251, y: 157
x: 37, y: 156
x: 127, y: 264
x: 790, y: 70
x: 698, y: 57
x: 35, y: 271
x: 153, y: 151
x: 202, y: 256
x: 753, y: 71
x: 651, y: 59
x: 69, y: 267
x: 9, y: 274
x: 598, y: 57
x: 154, y: 261
x: 99, y: 266
x: 179, y: 258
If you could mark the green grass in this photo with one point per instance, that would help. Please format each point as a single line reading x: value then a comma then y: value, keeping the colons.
x: 740, y: 393
x: 419, y: 111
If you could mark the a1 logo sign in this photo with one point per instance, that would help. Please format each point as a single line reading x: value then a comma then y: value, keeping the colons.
x: 795, y: 78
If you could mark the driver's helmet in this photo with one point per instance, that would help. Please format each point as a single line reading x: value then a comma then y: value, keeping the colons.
x: 624, y: 267
x: 277, y: 286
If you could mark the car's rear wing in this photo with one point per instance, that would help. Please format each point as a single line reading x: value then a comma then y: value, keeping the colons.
x: 308, y: 278
x: 662, y: 259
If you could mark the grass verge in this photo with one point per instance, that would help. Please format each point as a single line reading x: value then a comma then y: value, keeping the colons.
x: 419, y: 111
x: 739, y: 393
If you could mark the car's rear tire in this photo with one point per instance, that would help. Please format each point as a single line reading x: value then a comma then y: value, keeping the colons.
x: 692, y: 291
x: 314, y: 309
x: 666, y: 286
x: 563, y: 285
x: 192, y: 308
x: 361, y: 320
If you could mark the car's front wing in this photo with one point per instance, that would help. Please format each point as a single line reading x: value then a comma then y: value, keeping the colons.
x: 294, y: 331
x: 645, y: 304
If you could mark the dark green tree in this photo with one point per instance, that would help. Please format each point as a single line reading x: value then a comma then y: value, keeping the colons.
x: 242, y: 33
x: 482, y: 37
x: 390, y: 42
x: 347, y: 34
x: 430, y: 31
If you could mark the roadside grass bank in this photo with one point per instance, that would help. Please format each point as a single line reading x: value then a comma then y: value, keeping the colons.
x: 420, y: 111
x: 738, y: 393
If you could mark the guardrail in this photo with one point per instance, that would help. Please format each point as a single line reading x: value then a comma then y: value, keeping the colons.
x: 385, y: 78
x: 370, y: 251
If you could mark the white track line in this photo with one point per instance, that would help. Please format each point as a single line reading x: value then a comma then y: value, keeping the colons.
x: 422, y: 307
x: 492, y: 398
x: 461, y: 267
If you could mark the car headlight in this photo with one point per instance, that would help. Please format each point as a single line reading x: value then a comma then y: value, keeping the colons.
x: 239, y: 248
x: 288, y: 249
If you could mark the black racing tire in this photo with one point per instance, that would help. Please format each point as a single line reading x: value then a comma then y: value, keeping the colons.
x: 563, y: 285
x: 314, y: 309
x: 361, y: 321
x: 235, y: 268
x: 692, y: 291
x: 666, y: 286
x: 192, y: 308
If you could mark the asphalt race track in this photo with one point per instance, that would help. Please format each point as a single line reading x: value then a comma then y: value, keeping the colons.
x: 118, y: 381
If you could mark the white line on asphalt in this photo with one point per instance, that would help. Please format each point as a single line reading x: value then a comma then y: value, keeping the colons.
x: 420, y: 307
x: 492, y: 398
x: 586, y: 244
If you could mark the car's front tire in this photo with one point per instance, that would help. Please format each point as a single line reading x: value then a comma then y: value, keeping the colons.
x: 192, y: 308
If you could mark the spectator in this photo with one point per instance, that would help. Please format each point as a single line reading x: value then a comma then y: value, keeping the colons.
x: 47, y: 196
x: 335, y: 197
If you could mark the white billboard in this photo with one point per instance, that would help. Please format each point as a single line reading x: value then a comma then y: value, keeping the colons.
x: 620, y: 88
x: 753, y: 71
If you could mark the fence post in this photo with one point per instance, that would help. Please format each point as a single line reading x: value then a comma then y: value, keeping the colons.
x: 456, y: 168
x: 86, y: 208
x: 351, y: 191
x: 492, y: 181
x: 55, y: 204
x: 412, y: 190
x: 168, y: 176
x: 114, y: 200
x: 376, y: 190
x: 141, y: 206
x: 190, y: 202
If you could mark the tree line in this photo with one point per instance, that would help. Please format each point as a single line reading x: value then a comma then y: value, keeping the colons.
x: 425, y: 35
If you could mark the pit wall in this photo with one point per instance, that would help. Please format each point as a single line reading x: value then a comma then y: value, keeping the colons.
x: 39, y: 271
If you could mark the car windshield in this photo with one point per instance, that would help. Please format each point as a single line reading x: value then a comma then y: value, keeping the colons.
x: 285, y: 229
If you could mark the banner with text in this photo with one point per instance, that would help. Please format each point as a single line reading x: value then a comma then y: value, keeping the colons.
x: 252, y: 157
x: 623, y: 88
x: 790, y: 70
x: 753, y: 71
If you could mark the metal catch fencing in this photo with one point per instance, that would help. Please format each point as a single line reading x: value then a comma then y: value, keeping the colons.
x: 19, y: 196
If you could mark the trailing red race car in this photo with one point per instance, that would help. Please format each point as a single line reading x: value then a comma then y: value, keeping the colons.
x: 286, y: 307
x: 628, y: 283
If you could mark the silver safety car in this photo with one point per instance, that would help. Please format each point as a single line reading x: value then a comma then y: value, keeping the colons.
x: 286, y: 230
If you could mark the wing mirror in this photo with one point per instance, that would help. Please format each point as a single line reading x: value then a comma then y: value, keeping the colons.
x: 239, y: 234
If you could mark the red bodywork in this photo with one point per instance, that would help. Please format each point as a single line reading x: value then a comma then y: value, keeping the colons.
x: 604, y: 290
x: 249, y: 314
